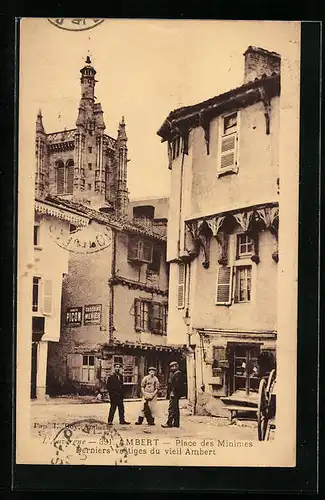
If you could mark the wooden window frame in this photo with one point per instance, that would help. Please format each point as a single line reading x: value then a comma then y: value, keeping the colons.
x: 36, y: 306
x: 89, y: 368
x: 147, y: 312
x: 247, y: 254
x: 138, y: 244
x: 222, y: 137
x: 238, y: 269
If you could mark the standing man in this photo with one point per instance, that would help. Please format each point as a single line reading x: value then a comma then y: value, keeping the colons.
x: 115, y: 389
x: 149, y: 388
x: 174, y: 393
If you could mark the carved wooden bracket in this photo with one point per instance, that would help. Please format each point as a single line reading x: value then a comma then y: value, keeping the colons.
x: 222, y: 239
x: 201, y: 235
x: 170, y: 156
x: 205, y: 124
x: 267, y: 108
x: 186, y: 141
x: 244, y: 219
x: 255, y: 257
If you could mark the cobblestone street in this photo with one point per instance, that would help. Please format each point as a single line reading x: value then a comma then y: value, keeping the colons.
x: 61, y: 413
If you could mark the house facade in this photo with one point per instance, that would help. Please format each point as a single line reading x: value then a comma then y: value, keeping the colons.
x: 114, y: 294
x: 222, y: 244
x: 47, y: 287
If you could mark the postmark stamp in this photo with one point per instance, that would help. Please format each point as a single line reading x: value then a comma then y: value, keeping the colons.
x: 82, y: 240
x: 75, y: 24
x: 84, y: 441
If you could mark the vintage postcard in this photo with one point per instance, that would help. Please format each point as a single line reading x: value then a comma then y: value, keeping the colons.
x: 157, y: 242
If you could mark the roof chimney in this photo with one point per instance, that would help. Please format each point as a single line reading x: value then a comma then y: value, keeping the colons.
x: 260, y: 63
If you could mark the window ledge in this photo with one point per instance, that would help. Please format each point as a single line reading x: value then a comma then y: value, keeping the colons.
x: 227, y: 171
x: 244, y: 261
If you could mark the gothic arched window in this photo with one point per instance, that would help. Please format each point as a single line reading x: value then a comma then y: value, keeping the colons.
x: 60, y: 176
x: 69, y: 176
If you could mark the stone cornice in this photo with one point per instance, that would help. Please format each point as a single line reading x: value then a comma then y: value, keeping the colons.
x: 42, y: 207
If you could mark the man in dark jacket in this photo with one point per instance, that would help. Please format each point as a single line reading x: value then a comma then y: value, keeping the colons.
x: 175, y: 391
x: 115, y: 389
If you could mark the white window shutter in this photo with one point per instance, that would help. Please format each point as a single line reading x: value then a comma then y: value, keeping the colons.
x: 181, y: 286
x: 224, y: 285
x: 228, y: 152
x: 133, y: 248
x: 146, y: 251
x: 74, y: 363
x: 47, y: 297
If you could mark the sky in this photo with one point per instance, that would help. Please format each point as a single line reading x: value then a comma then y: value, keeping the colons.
x: 145, y: 69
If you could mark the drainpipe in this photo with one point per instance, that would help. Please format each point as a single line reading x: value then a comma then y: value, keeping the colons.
x: 180, y: 202
x: 111, y: 292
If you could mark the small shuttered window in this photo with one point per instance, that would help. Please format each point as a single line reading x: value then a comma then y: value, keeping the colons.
x: 146, y: 251
x: 228, y: 156
x: 47, y: 297
x: 75, y: 364
x: 181, y: 286
x: 224, y: 285
x: 140, y: 250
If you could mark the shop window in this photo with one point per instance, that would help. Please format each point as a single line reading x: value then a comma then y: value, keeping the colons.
x: 219, y: 360
x: 150, y: 316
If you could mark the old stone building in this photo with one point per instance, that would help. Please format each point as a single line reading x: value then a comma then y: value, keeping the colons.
x: 222, y: 243
x: 84, y: 163
x: 115, y: 285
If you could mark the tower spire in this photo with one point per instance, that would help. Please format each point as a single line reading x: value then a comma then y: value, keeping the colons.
x: 122, y: 161
x: 121, y: 133
x: 39, y: 123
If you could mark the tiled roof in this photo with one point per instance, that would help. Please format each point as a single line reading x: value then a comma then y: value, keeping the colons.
x: 184, y: 112
x: 147, y: 346
x: 119, y: 223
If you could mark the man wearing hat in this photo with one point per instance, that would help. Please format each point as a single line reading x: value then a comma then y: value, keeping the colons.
x: 149, y: 388
x: 174, y: 393
x: 115, y: 389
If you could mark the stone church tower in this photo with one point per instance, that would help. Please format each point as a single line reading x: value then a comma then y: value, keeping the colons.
x: 84, y: 164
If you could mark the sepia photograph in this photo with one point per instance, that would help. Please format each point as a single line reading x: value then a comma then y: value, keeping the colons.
x: 158, y: 196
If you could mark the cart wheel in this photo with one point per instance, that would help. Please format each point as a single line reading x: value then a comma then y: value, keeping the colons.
x: 262, y: 411
x: 270, y: 393
x: 270, y: 384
